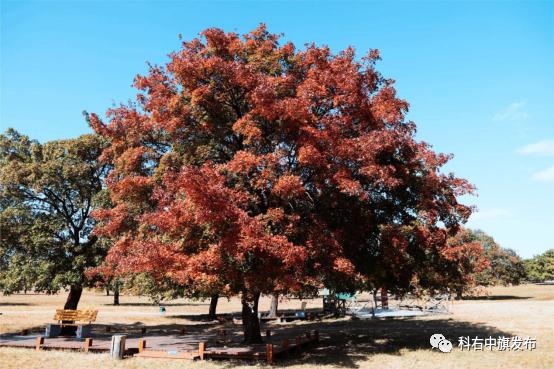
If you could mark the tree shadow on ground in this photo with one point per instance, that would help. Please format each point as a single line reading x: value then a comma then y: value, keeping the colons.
x: 203, y: 317
x: 343, y: 342
x: 161, y: 304
x: 15, y: 304
x: 496, y: 297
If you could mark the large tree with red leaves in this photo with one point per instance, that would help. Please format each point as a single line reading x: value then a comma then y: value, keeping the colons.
x: 250, y: 167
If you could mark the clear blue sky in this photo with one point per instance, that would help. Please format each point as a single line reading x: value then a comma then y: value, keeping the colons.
x: 479, y: 78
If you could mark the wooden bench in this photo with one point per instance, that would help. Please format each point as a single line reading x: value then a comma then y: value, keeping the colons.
x: 69, y: 317
x: 80, y: 319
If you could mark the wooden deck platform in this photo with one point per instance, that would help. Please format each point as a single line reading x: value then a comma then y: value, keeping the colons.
x: 265, y: 352
x: 38, y: 342
x: 172, y: 346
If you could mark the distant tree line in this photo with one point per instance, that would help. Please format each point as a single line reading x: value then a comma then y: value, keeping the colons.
x: 541, y: 267
x: 505, y: 266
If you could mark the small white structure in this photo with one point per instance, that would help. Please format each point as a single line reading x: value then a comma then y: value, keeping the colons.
x: 407, y: 306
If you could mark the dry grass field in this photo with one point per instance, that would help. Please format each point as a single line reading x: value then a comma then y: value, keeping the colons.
x: 393, y: 343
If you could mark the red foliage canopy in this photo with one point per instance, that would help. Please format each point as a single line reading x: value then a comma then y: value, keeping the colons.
x: 249, y: 166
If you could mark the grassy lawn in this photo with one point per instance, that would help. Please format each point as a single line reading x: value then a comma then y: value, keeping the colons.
x: 400, y: 343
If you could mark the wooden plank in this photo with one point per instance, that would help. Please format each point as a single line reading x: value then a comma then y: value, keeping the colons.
x: 168, y: 354
x: 283, y: 348
x: 236, y: 355
x: 279, y: 350
x: 87, y: 315
x: 39, y: 342
x: 269, y: 353
x: 76, y: 315
x: 201, y: 349
x: 87, y: 344
x: 141, y: 345
x: 77, y: 346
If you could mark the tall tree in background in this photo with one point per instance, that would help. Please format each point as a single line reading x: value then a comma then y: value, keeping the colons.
x: 46, y: 196
x: 474, y: 258
x: 249, y: 167
x: 465, y: 259
x: 541, y: 267
x: 505, y: 265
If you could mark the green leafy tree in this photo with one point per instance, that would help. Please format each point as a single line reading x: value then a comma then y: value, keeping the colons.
x: 505, y: 265
x: 47, y: 192
x: 541, y: 267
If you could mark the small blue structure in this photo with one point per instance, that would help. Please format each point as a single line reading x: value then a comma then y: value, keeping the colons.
x: 335, y: 303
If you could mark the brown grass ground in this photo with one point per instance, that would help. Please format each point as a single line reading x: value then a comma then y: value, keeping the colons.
x: 399, y: 343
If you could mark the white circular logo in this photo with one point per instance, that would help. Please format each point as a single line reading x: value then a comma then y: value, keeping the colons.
x: 440, y: 342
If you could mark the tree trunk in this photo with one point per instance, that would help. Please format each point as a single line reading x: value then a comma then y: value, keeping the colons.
x: 384, y: 299
x: 213, y: 306
x: 107, y: 291
x: 73, y: 298
x: 459, y: 293
x: 250, y: 320
x: 116, y: 294
x: 274, y: 305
